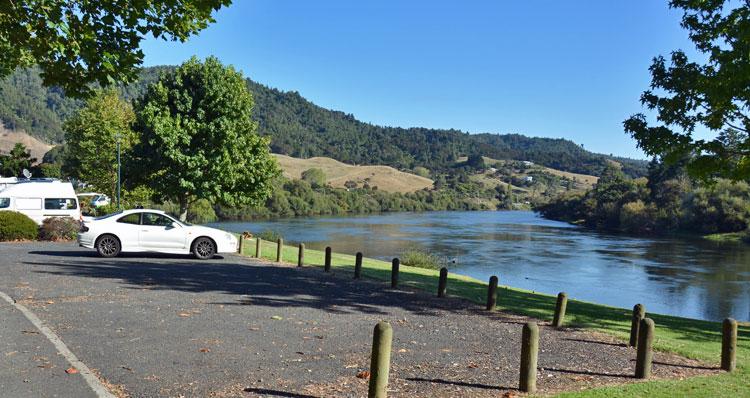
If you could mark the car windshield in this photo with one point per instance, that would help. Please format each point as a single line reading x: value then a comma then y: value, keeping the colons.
x: 4, y: 203
x: 177, y: 220
x: 108, y: 215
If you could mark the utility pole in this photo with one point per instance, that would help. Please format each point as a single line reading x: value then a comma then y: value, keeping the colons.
x: 118, y: 170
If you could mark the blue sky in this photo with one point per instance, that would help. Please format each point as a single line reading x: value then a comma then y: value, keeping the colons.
x: 572, y: 69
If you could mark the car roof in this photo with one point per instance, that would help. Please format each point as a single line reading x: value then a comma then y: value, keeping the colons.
x: 131, y: 211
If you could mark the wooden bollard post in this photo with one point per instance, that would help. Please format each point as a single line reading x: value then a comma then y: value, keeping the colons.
x: 492, y: 293
x: 301, y: 255
x: 279, y: 249
x: 327, y: 266
x: 443, y: 282
x: 358, y: 265
x: 380, y: 360
x: 394, y: 272
x: 639, y: 312
x: 258, y: 252
x: 562, y: 305
x: 241, y: 241
x: 529, y: 355
x: 729, y: 345
x: 645, y: 353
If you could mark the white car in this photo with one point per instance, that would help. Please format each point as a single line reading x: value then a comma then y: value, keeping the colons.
x: 144, y: 230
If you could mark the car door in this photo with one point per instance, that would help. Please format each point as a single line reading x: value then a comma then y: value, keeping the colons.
x: 128, y: 229
x: 161, y: 232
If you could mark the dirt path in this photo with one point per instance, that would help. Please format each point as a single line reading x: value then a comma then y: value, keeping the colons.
x: 166, y: 326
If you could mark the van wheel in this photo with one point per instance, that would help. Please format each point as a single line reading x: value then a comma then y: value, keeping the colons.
x: 204, y: 248
x: 108, y: 246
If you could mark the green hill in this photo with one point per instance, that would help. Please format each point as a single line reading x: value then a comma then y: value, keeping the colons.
x: 302, y: 129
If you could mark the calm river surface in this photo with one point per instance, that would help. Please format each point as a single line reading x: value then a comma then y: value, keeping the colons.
x: 681, y: 276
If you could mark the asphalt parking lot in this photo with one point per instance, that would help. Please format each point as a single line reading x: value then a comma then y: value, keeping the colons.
x: 173, y: 326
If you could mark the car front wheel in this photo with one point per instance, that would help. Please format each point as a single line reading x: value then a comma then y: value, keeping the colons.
x: 204, y: 248
x: 108, y: 246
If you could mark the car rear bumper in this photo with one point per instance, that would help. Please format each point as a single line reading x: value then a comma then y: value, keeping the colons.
x: 86, y: 240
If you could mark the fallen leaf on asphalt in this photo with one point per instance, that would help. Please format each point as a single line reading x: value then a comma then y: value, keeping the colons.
x: 276, y: 317
x: 402, y: 350
x: 50, y: 302
x: 509, y: 395
x: 363, y: 375
x: 71, y: 371
x: 184, y: 314
x: 204, y: 350
x: 472, y: 365
x: 29, y: 332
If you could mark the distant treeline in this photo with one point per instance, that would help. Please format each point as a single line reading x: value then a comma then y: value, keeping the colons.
x: 667, y: 201
x: 302, y: 129
x: 300, y: 198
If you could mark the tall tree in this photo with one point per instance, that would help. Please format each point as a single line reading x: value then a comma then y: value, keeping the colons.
x: 91, y: 137
x: 691, y: 97
x: 198, y: 140
x: 96, y: 41
x: 12, y: 164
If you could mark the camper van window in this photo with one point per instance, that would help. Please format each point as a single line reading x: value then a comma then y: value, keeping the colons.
x: 28, y: 204
x: 60, y: 204
x: 4, y: 203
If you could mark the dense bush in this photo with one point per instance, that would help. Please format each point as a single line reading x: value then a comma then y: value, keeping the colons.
x: 315, y: 176
x: 269, y: 235
x: 668, y: 201
x: 419, y: 258
x: 17, y: 226
x: 59, y: 228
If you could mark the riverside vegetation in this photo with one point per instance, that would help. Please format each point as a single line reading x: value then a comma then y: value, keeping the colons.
x: 666, y: 201
x: 688, y: 337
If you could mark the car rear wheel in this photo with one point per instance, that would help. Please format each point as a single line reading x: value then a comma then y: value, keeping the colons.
x: 108, y: 246
x: 204, y: 248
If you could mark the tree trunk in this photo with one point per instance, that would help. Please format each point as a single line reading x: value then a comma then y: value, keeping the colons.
x: 183, y: 208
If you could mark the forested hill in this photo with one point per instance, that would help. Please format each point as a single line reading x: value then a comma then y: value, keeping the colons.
x: 300, y: 128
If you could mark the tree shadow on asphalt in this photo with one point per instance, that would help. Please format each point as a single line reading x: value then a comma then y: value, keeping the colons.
x: 276, y: 393
x: 253, y: 284
x: 459, y: 383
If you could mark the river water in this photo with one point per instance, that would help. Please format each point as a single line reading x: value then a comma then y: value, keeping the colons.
x: 682, y: 276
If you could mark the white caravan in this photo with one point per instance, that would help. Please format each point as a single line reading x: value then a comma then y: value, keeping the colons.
x: 40, y: 199
x: 5, y: 182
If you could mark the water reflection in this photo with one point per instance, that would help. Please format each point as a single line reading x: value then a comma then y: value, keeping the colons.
x: 675, y: 275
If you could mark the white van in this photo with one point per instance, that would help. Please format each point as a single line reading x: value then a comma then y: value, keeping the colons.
x: 40, y: 199
x: 5, y: 182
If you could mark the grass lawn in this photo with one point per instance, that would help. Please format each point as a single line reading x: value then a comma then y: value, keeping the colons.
x: 688, y: 337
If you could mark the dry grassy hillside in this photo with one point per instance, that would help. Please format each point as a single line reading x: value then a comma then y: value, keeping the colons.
x: 9, y: 138
x: 384, y: 177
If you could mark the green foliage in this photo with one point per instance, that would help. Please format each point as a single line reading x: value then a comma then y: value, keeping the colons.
x: 201, y: 212
x: 689, y: 96
x: 79, y: 43
x: 474, y: 162
x: 315, y: 177
x: 422, y: 171
x: 415, y: 257
x: 270, y: 235
x: 185, y: 155
x: 59, y: 228
x: 49, y: 170
x: 91, y: 138
x: 12, y: 164
x: 17, y: 226
x: 668, y: 201
x: 299, y: 198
